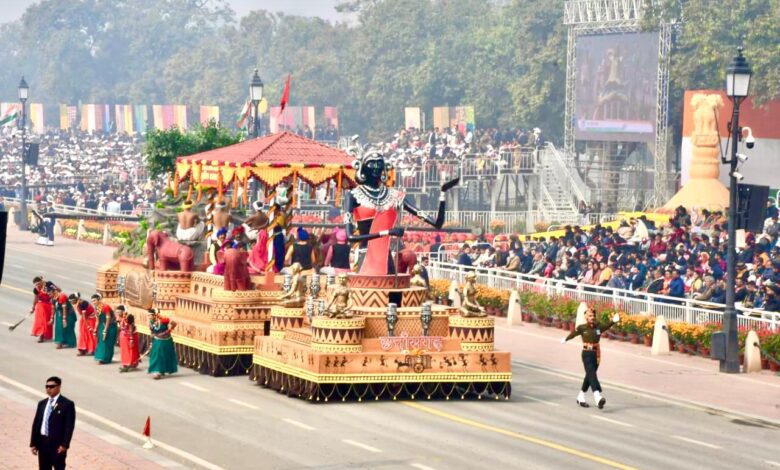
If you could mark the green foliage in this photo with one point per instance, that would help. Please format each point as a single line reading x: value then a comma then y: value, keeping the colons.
x: 163, y: 147
x: 506, y: 58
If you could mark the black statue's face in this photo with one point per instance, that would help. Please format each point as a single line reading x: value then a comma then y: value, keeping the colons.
x: 373, y: 171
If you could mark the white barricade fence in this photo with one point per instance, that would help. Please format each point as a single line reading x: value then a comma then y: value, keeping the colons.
x: 631, y: 302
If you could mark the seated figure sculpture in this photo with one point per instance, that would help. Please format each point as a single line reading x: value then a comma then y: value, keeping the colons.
x: 469, y: 306
x: 418, y: 280
x: 295, y: 297
x: 339, y: 306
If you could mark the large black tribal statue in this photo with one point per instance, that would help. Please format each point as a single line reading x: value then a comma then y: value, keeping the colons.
x: 377, y: 208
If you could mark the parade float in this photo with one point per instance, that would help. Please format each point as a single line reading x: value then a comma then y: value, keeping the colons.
x: 370, y: 334
x: 218, y: 316
x: 375, y: 334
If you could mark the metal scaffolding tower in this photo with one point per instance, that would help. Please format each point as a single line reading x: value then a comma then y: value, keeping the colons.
x: 597, y: 17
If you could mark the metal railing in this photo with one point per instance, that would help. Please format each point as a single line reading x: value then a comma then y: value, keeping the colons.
x: 571, y: 183
x: 673, y: 309
x: 76, y: 210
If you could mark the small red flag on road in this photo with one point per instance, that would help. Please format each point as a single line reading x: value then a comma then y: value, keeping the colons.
x: 148, y: 427
x: 285, y: 95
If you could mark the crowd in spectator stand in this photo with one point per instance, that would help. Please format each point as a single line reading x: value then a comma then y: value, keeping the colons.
x: 685, y: 258
x: 104, y: 172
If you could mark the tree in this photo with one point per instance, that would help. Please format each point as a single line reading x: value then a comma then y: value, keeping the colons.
x: 163, y: 147
x: 708, y: 34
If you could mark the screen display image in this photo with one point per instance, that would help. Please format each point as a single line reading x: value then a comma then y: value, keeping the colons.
x: 616, y: 87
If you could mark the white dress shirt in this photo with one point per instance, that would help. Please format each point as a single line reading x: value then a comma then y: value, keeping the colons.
x: 47, y: 413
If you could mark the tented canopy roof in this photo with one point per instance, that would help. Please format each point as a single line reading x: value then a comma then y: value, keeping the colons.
x: 270, y: 160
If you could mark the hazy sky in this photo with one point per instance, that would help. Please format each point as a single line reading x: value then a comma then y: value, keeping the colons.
x: 12, y: 9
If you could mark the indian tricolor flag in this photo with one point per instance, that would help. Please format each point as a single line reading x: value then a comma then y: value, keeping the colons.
x: 9, y: 116
x: 243, y: 115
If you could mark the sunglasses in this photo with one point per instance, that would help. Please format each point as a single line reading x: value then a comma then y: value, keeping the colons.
x: 52, y: 385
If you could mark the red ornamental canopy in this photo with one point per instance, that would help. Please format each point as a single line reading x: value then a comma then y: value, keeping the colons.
x: 271, y: 160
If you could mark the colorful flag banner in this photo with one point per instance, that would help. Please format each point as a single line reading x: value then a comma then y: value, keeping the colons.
x: 91, y: 117
x: 108, y: 123
x: 140, y: 114
x: 331, y: 115
x: 462, y: 118
x: 64, y: 118
x: 412, y: 118
x: 157, y: 116
x: 441, y: 117
x: 73, y: 112
x: 180, y: 116
x: 128, y: 115
x: 168, y: 114
x: 36, y: 118
x: 293, y: 119
x: 119, y: 112
x: 208, y: 113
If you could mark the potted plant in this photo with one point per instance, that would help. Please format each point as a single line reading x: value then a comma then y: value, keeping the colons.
x: 772, y: 348
x: 705, y: 339
x: 630, y: 326
x: 646, y: 325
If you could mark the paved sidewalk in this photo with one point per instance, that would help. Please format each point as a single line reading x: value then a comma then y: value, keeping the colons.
x: 91, y: 448
x: 676, y: 376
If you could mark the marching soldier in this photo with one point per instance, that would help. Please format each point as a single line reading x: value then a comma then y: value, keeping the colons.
x: 591, y: 332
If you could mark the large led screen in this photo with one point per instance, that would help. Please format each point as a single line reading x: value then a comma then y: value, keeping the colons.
x: 616, y: 87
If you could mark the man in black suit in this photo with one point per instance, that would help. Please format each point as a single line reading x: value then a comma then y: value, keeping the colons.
x: 53, y: 427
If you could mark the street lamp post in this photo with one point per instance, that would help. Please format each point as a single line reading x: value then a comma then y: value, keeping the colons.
x: 737, y: 85
x: 256, y: 94
x: 23, y: 93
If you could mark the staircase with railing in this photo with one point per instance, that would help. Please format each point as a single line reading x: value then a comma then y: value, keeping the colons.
x: 561, y: 187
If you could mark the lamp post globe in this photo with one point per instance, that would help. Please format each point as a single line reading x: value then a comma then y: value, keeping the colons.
x: 256, y: 94
x: 738, y: 77
x: 24, y: 91
x: 737, y: 85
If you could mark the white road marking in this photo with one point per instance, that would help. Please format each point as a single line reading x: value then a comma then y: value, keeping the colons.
x: 113, y: 439
x: 770, y: 462
x: 422, y: 467
x: 298, y: 424
x: 194, y: 387
x: 117, y: 427
x: 361, y: 445
x: 613, y: 421
x: 243, y: 403
x: 682, y: 403
x: 540, y: 400
x: 169, y: 464
x: 694, y: 441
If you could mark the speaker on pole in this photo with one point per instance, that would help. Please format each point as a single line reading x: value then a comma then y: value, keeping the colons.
x: 32, y: 154
x: 3, y: 228
x: 751, y: 207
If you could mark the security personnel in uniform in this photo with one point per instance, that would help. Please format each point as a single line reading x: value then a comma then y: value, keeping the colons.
x: 591, y: 332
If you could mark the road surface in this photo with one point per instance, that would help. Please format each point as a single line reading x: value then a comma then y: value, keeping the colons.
x: 229, y: 422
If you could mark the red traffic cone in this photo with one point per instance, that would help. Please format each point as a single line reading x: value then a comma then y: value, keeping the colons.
x: 148, y: 433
